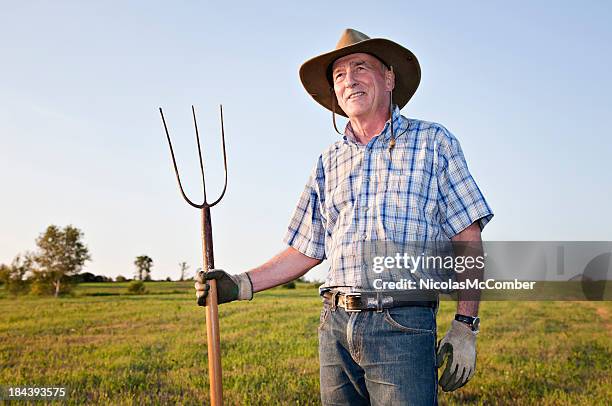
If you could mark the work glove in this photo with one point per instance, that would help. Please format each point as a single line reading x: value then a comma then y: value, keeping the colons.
x: 459, y: 348
x: 229, y: 287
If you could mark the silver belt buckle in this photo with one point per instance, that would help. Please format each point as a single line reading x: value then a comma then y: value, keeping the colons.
x: 356, y: 294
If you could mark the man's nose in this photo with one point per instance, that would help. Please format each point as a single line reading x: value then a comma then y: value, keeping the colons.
x: 349, y: 79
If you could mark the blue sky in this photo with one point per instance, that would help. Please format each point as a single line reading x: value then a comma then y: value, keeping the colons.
x: 525, y: 88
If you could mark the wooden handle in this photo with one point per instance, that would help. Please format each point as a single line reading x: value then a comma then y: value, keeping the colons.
x: 214, y: 345
x: 212, y: 315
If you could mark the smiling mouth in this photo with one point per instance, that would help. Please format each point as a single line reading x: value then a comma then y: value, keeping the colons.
x: 355, y: 95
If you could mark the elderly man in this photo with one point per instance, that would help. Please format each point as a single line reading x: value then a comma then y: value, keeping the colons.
x: 389, y: 178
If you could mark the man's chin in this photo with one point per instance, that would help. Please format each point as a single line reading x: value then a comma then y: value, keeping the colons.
x: 355, y: 111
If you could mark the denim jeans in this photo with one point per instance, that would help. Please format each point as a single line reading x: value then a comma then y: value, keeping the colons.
x: 378, y: 358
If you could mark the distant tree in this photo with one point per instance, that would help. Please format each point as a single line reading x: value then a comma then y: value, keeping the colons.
x: 143, y: 263
x: 61, y: 253
x: 120, y: 278
x: 183, y: 267
x: 13, y: 276
x: 86, y: 277
x: 168, y: 279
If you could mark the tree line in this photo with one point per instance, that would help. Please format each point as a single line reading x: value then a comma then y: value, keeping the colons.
x: 55, y: 266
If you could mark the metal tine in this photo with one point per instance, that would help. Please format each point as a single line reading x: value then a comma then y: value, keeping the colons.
x: 195, y: 124
x: 201, y: 160
x: 176, y: 171
x: 224, y: 160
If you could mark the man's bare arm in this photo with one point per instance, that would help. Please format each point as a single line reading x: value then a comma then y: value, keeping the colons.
x: 290, y: 264
x: 470, y: 235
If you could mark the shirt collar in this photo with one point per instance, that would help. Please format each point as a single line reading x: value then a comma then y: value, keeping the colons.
x: 398, y: 123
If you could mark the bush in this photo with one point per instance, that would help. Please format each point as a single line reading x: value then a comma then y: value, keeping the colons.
x: 16, y: 286
x: 13, y: 276
x: 137, y: 288
x: 44, y: 287
x: 120, y: 278
x: 289, y: 285
x: 41, y: 288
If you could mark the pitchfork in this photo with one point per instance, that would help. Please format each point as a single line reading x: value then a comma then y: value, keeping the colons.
x: 212, y: 310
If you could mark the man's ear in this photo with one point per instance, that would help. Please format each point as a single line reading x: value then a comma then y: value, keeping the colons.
x: 390, y: 79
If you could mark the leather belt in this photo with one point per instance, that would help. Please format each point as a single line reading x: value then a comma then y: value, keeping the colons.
x: 356, y: 302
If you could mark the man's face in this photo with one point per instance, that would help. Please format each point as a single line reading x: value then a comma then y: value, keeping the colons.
x: 362, y: 84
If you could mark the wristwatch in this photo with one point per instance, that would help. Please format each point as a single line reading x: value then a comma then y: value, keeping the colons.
x: 473, y: 322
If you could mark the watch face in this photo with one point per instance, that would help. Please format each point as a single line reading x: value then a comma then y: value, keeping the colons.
x: 476, y: 324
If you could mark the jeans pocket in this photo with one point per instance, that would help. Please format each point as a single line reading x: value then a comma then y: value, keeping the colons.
x: 418, y: 320
x: 323, y: 317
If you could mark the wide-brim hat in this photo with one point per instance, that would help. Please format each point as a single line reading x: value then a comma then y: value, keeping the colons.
x: 315, y: 73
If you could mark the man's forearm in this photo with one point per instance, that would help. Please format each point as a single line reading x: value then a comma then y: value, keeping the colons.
x: 290, y: 264
x: 469, y: 244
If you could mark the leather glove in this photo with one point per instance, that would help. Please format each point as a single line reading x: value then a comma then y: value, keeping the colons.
x: 459, y: 347
x: 229, y: 287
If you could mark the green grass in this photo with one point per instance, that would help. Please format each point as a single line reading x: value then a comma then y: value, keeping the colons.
x: 150, y: 349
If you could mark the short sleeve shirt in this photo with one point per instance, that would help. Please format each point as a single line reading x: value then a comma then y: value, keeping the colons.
x: 420, y: 190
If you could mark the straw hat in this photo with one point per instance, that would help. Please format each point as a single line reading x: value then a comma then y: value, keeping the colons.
x: 315, y: 73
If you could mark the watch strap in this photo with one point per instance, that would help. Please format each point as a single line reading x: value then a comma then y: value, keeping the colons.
x: 469, y: 320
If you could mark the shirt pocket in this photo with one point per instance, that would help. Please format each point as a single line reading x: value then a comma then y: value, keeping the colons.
x: 408, y: 207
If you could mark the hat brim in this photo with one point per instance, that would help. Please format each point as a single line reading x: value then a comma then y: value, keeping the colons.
x: 313, y: 73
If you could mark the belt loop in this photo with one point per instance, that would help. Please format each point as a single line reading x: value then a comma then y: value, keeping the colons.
x: 333, y: 300
x: 379, y: 304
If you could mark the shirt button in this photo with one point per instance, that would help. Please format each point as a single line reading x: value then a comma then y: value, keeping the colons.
x: 364, y: 236
x: 365, y: 209
x: 367, y: 178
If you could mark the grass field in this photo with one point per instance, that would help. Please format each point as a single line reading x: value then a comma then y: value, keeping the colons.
x: 111, y: 348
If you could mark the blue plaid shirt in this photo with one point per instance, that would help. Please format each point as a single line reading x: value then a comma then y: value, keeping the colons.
x: 421, y: 191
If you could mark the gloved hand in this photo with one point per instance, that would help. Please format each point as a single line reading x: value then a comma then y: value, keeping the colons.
x: 229, y: 287
x: 459, y: 347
